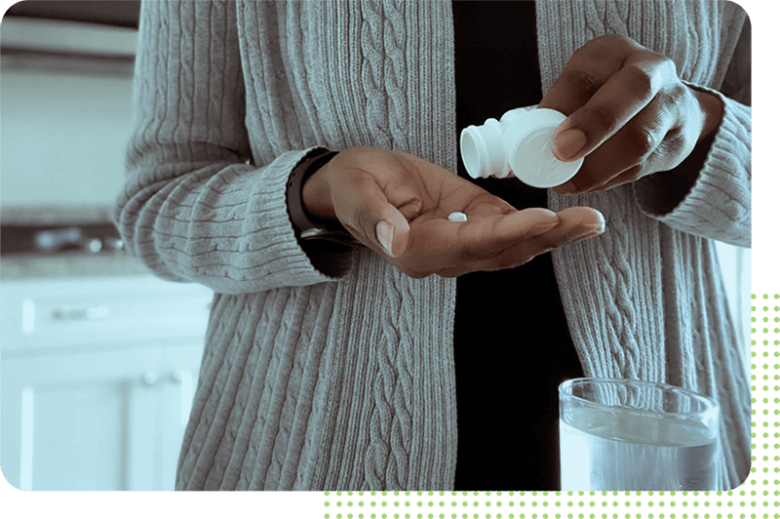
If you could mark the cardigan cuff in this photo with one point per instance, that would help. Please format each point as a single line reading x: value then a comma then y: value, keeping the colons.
x: 718, y: 204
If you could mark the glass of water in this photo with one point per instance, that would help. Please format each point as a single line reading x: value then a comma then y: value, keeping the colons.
x: 634, y: 435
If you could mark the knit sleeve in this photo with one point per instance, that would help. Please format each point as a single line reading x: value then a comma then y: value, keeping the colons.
x: 719, y: 206
x: 193, y: 207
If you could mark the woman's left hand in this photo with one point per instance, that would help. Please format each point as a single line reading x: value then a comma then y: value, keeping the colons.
x: 629, y: 114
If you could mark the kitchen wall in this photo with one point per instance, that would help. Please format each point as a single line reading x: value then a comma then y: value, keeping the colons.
x: 63, y: 137
x: 65, y: 104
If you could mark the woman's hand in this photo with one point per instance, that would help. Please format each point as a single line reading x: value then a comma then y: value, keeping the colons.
x: 628, y: 113
x: 397, y: 204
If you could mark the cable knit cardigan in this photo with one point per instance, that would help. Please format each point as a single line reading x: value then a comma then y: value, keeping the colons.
x: 345, y: 380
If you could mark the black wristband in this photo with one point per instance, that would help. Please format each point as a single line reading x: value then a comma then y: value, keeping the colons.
x: 307, y: 226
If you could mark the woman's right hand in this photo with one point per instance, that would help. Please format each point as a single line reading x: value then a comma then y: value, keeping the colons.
x: 397, y: 204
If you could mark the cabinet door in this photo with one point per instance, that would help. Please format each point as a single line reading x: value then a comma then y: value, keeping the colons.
x: 95, y: 421
x: 168, y: 402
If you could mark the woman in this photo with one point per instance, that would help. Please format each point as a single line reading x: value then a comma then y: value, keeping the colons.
x: 333, y: 350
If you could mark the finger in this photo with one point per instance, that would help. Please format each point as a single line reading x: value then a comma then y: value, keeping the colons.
x: 523, y: 221
x: 568, y: 220
x: 576, y: 223
x: 365, y: 211
x: 437, y: 245
x: 580, y: 216
x: 630, y: 175
x: 512, y: 250
x: 440, y: 244
x: 664, y: 158
x: 586, y: 71
x: 633, y: 144
x: 484, y: 236
x: 622, y: 97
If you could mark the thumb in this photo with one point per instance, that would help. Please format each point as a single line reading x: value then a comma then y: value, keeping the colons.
x: 402, y: 205
x: 392, y: 237
x: 391, y: 230
x: 374, y: 220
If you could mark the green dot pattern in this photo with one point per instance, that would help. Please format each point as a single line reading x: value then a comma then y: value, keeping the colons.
x: 757, y: 498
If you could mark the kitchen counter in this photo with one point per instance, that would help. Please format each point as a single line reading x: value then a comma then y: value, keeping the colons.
x: 74, y: 263
x: 55, y: 215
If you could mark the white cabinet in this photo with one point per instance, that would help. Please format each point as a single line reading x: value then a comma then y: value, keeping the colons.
x: 97, y: 378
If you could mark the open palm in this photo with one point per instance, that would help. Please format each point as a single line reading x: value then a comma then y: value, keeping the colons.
x: 398, y: 205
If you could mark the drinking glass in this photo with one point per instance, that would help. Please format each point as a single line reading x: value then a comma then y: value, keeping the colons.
x: 620, y: 434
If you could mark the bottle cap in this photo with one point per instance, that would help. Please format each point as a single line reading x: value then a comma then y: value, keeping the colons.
x: 528, y: 148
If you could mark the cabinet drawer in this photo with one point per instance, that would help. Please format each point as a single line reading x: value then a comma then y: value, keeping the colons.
x: 86, y: 311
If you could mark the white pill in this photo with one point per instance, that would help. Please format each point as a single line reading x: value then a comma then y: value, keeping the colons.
x: 457, y: 217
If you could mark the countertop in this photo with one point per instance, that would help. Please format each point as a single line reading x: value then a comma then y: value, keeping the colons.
x: 64, y: 264
x: 56, y: 215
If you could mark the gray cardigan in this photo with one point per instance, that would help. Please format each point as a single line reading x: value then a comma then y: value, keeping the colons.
x: 312, y: 381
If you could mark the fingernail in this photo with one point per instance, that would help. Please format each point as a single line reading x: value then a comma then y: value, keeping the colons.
x: 590, y: 232
x: 568, y: 143
x: 384, y: 233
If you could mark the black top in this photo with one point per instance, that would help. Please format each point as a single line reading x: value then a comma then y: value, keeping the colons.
x: 511, y: 339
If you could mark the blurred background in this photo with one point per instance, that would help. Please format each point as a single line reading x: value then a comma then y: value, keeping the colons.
x: 99, y: 360
x: 67, y: 71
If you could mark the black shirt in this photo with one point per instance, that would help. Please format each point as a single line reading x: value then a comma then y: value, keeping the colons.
x: 512, y: 343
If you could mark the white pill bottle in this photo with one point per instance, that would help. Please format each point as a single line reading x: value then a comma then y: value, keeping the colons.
x: 518, y: 145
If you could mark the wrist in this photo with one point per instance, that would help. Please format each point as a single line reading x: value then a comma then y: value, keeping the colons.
x: 316, y: 195
x: 711, y: 108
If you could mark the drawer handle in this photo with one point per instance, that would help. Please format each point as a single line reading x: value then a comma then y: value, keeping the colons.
x: 151, y: 378
x: 93, y: 313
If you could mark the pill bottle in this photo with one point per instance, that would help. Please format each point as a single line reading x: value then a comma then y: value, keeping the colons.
x: 518, y: 145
